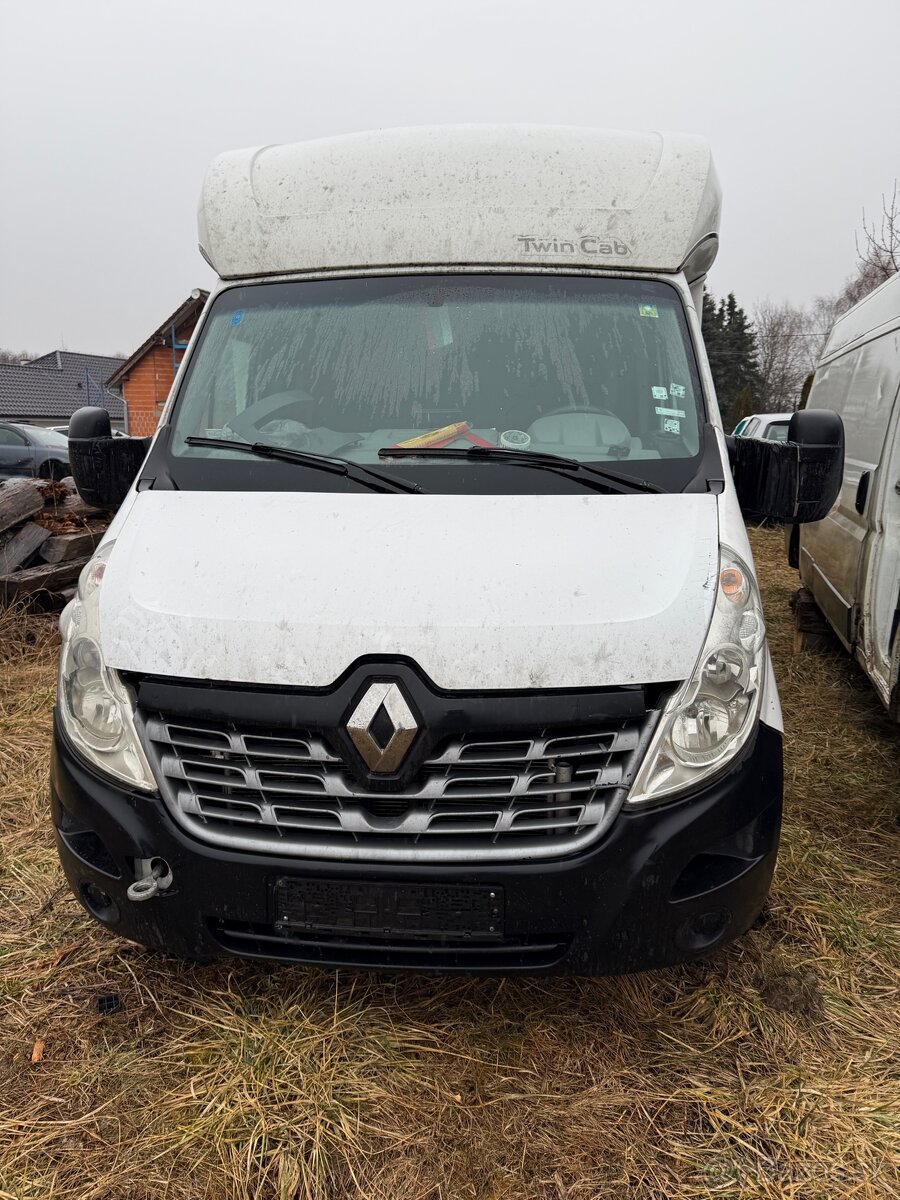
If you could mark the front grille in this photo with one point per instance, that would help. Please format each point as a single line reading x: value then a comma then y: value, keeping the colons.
x: 503, y: 797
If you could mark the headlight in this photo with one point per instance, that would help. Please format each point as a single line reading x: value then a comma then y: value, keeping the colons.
x: 95, y: 707
x: 711, y: 716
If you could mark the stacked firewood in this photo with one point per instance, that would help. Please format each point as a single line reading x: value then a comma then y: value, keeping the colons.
x: 47, y: 534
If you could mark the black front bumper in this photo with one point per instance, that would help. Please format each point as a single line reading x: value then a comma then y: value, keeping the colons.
x: 663, y: 886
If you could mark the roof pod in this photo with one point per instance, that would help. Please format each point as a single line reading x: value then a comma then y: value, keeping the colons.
x: 464, y: 195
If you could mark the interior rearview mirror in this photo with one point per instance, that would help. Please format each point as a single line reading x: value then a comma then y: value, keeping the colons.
x: 795, y: 481
x: 103, y: 466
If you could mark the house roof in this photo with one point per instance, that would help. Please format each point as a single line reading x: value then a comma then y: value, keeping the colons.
x: 55, y: 385
x: 73, y: 366
x: 162, y: 336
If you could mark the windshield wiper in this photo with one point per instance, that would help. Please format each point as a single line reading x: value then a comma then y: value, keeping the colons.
x: 376, y: 480
x: 612, y: 482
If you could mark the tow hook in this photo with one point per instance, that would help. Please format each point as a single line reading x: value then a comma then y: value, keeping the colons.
x: 153, y: 875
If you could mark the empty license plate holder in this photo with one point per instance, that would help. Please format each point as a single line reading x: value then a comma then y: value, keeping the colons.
x: 448, y: 912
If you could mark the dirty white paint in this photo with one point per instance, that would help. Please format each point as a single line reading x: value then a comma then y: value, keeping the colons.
x: 533, y: 195
x: 732, y: 530
x: 483, y: 592
x: 770, y: 709
x: 733, y: 533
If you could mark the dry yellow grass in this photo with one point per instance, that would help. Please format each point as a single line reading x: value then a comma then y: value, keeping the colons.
x: 770, y: 1070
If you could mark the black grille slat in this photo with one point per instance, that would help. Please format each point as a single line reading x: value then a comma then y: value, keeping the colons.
x: 269, y: 941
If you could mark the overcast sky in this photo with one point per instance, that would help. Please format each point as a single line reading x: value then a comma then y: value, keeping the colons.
x: 109, y: 113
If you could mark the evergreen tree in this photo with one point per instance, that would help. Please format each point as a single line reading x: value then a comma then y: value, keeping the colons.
x: 731, y: 350
x: 713, y: 336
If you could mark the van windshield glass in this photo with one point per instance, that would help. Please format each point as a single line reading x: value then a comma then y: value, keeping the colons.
x: 592, y: 369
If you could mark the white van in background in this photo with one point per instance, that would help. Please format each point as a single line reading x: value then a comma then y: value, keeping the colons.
x: 427, y: 634
x: 851, y: 560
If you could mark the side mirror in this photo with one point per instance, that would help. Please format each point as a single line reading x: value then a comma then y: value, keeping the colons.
x: 103, y: 466
x: 796, y: 481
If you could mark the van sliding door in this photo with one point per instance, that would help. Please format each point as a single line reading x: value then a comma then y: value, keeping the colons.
x: 881, y: 589
x: 831, y: 551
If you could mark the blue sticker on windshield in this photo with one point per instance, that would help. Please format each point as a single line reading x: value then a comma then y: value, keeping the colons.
x: 237, y: 317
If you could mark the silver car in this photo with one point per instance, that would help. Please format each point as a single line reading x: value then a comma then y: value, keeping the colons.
x: 32, y: 450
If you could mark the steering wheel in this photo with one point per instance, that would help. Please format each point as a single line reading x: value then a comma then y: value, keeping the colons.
x: 617, y: 438
x: 281, y: 406
x: 248, y: 424
x: 568, y: 408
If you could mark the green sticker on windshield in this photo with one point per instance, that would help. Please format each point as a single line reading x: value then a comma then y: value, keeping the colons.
x: 648, y: 310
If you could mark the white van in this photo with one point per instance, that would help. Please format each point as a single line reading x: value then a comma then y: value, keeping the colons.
x: 427, y: 633
x: 851, y: 560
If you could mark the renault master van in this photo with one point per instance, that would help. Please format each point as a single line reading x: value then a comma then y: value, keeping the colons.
x: 851, y: 560
x: 427, y: 633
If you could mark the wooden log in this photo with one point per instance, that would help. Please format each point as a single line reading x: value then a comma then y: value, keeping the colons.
x: 19, y: 500
x: 74, y: 506
x: 50, y: 577
x: 66, y: 546
x: 20, y: 546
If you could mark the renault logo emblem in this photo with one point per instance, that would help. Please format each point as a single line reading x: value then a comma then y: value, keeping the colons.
x: 382, y: 727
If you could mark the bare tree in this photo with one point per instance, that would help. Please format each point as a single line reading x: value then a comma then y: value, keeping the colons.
x: 12, y: 356
x: 879, y: 255
x: 823, y: 312
x: 786, y: 348
x: 790, y: 340
x: 878, y: 258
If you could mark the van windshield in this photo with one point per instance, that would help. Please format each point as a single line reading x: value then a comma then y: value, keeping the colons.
x: 589, y: 368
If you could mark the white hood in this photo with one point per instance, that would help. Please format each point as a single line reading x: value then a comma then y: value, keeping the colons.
x: 483, y: 592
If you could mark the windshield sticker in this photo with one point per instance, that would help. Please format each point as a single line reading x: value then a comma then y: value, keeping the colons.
x: 660, y: 393
x: 669, y: 412
x: 237, y: 317
x: 438, y: 333
x: 671, y: 425
x: 677, y: 391
x: 648, y: 310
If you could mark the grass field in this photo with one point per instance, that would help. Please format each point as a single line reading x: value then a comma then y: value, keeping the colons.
x: 770, y: 1070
